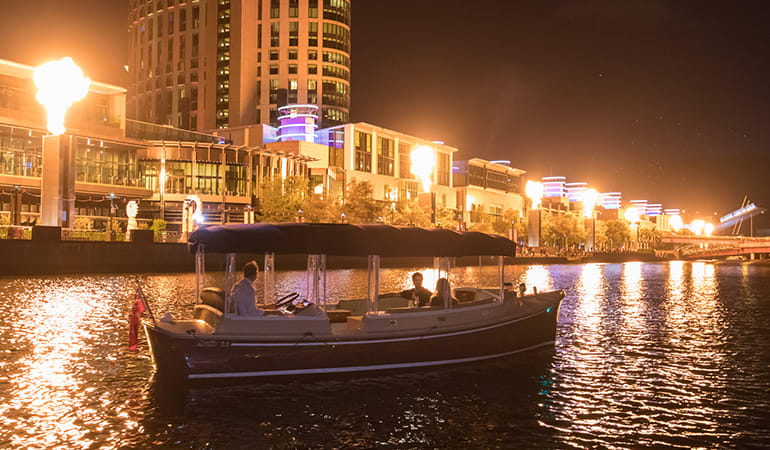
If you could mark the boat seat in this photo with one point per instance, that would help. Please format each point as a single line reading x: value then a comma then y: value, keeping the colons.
x: 207, y: 314
x: 213, y: 297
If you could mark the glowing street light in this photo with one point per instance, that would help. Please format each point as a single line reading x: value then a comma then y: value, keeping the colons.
x: 632, y: 215
x: 60, y: 84
x: 676, y: 223
x: 534, y: 191
x: 697, y: 227
x: 590, y: 198
x: 423, y: 161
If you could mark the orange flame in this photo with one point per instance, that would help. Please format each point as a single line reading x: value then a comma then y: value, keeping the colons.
x: 60, y: 84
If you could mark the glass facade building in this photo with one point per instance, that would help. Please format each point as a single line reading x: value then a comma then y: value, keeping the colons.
x: 207, y: 64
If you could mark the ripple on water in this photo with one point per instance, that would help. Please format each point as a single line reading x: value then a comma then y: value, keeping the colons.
x: 672, y: 354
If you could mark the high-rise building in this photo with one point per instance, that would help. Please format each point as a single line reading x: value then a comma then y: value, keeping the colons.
x: 206, y: 64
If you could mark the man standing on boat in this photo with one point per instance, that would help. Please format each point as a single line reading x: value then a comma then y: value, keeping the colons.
x: 243, y: 292
x: 419, y: 294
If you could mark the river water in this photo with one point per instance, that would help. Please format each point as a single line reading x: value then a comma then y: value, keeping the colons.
x: 671, y: 354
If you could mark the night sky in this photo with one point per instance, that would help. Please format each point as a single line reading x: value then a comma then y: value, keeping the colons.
x: 662, y: 100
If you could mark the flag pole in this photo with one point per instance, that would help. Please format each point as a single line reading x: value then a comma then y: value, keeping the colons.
x: 144, y: 302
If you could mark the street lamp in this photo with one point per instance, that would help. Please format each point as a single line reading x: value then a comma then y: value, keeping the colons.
x: 632, y: 215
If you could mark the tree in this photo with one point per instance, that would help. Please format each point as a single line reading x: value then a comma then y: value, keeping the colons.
x: 317, y: 209
x: 409, y: 212
x: 360, y: 206
x: 282, y: 199
x: 561, y: 230
x: 446, y: 218
x: 616, y: 232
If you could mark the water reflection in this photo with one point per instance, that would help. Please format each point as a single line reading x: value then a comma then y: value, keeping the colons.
x: 668, y: 354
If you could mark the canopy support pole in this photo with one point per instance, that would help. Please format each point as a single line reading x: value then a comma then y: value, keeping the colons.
x: 269, y: 283
x: 229, y: 282
x: 501, y: 276
x: 200, y: 273
x: 373, y: 285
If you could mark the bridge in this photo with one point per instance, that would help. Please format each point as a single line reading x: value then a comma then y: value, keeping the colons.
x: 697, y: 247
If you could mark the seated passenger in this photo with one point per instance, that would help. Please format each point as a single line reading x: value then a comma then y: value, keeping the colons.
x: 419, y: 295
x: 443, y: 291
x: 243, y: 292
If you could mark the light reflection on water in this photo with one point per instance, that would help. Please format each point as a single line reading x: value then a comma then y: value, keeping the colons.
x: 671, y: 354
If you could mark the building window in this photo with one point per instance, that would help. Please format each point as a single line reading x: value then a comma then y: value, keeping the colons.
x: 405, y: 161
x: 336, y: 72
x: 335, y: 93
x: 312, y: 34
x: 274, y: 86
x: 275, y: 34
x: 273, y: 55
x: 312, y: 9
x: 363, y: 146
x: 334, y: 116
x: 312, y: 69
x: 183, y: 20
x: 338, y: 10
x: 293, y: 53
x: 336, y: 37
x: 292, y: 69
x: 293, y: 8
x: 385, y: 160
x: 235, y: 180
x: 170, y: 22
x: 293, y: 34
x: 293, y: 84
x: 336, y: 58
x: 275, y: 9
x: 196, y: 17
x: 208, y: 179
x: 444, y: 171
x: 312, y: 55
x: 273, y: 69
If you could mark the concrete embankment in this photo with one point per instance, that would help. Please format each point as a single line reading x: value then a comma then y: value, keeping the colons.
x: 47, y: 254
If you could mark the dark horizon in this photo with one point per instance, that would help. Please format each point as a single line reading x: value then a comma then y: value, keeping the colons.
x: 656, y: 99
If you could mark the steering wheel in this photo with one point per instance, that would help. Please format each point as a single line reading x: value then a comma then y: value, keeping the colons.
x: 287, y: 299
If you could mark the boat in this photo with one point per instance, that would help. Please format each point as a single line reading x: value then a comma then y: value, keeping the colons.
x: 306, y: 333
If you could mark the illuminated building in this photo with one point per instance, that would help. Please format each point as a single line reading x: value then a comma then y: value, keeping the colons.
x: 640, y: 205
x: 654, y: 209
x: 554, y: 187
x: 157, y: 165
x: 575, y: 191
x: 611, y: 200
x: 486, y: 189
x: 209, y: 64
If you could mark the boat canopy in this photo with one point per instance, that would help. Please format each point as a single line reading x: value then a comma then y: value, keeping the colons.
x: 347, y: 240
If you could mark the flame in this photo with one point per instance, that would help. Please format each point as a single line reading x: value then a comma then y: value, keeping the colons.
x: 697, y: 227
x: 708, y: 228
x: 60, y: 84
x: 423, y: 161
x: 534, y: 191
x: 676, y: 223
x: 632, y: 215
x: 590, y: 198
x: 318, y: 189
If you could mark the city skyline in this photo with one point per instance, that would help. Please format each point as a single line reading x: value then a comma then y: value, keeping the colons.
x: 656, y: 101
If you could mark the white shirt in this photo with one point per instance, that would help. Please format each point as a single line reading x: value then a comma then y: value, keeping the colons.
x: 245, y: 297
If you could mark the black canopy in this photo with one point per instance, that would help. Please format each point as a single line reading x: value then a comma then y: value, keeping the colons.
x: 348, y: 240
